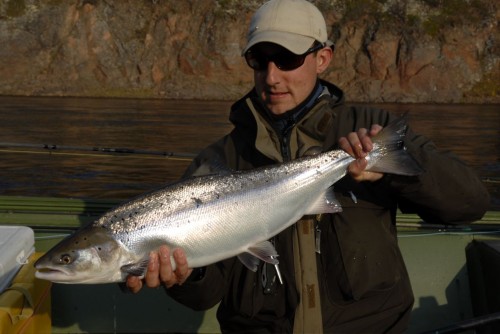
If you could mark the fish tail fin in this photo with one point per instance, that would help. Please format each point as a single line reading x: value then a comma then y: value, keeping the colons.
x: 389, y: 154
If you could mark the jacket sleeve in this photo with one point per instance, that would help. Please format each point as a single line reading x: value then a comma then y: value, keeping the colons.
x: 205, y: 291
x: 447, y: 192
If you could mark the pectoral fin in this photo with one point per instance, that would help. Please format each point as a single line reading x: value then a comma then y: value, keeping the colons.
x: 213, y: 167
x: 136, y: 269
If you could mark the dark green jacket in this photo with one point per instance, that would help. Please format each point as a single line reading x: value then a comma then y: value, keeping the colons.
x: 363, y: 280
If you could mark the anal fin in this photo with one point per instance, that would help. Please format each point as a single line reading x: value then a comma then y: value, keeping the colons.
x: 326, y: 203
x: 264, y: 251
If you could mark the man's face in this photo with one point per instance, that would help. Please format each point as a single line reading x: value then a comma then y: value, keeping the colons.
x: 282, y: 90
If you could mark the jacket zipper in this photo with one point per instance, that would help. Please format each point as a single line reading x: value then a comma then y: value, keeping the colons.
x: 285, y: 142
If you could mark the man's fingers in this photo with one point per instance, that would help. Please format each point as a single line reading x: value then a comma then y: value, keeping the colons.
x: 375, y: 129
x: 357, y: 171
x: 345, y: 146
x: 354, y: 139
x: 365, y: 140
x: 152, y: 280
x: 182, y: 270
x: 166, y: 274
x: 358, y: 144
x: 352, y: 145
x: 160, y: 271
x: 134, y: 284
x: 356, y: 168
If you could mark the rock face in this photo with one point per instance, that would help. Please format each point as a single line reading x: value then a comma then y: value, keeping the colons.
x: 445, y: 51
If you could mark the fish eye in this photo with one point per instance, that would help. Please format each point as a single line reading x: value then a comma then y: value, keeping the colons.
x: 65, y: 259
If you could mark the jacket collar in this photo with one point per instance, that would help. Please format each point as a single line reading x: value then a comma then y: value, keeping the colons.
x: 308, y: 130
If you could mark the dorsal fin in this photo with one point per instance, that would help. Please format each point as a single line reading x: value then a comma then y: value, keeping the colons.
x: 215, y: 167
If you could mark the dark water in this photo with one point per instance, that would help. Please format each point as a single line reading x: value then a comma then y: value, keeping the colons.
x: 53, y: 146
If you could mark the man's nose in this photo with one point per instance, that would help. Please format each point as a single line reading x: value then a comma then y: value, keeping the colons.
x: 272, y: 73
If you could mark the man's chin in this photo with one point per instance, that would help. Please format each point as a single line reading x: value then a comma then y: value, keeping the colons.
x: 278, y: 108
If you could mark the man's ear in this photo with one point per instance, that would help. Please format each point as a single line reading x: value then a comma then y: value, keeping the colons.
x: 323, y: 59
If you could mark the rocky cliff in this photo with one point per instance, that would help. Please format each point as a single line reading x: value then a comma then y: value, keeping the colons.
x: 385, y: 50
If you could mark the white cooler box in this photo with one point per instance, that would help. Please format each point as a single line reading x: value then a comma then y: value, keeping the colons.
x: 17, y: 243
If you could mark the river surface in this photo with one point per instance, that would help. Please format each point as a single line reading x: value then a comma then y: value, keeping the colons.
x: 119, y: 148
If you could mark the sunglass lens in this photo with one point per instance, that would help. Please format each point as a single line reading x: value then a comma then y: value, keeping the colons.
x: 285, y: 60
x: 256, y: 61
x: 288, y: 61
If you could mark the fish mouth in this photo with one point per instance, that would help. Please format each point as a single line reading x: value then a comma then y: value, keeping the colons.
x: 52, y: 274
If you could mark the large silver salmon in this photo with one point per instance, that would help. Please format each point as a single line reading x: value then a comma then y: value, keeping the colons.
x: 215, y: 217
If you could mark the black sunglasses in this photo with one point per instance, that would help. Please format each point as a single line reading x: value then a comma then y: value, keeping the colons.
x: 284, y: 60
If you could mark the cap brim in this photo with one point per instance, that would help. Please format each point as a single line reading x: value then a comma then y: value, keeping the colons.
x: 297, y: 44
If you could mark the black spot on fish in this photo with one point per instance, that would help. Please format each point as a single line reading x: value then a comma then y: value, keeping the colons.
x: 198, y: 202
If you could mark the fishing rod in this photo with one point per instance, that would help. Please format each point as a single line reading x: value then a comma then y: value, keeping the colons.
x: 88, y: 150
x: 65, y: 149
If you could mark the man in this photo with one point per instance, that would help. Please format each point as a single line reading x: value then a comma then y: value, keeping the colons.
x: 342, y: 272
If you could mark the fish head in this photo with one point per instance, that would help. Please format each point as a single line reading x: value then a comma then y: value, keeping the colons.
x: 90, y: 255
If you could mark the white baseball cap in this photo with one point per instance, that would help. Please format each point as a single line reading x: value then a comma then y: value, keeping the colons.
x: 293, y: 24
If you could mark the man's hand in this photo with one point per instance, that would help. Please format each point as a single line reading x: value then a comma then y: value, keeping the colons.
x: 358, y: 145
x: 160, y: 270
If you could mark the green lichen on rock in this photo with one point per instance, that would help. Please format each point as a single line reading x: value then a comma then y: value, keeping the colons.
x: 355, y: 9
x: 450, y: 13
x: 488, y: 87
x: 432, y: 16
x: 15, y: 8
